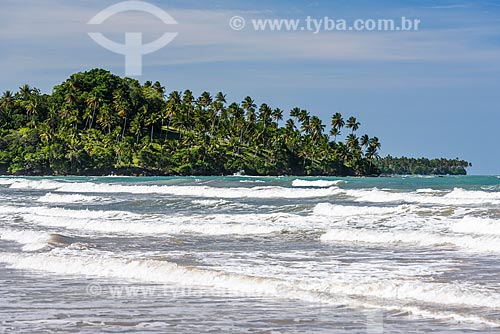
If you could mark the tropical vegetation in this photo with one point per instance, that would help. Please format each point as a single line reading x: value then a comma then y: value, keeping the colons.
x: 422, y: 166
x: 97, y: 123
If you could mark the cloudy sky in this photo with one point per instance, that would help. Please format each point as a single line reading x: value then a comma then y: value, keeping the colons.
x: 433, y: 92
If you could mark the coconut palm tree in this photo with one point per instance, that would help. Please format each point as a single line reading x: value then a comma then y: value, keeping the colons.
x: 353, y: 124
x: 337, y: 121
x: 94, y: 101
x: 364, y: 140
x: 25, y: 92
x: 317, y: 127
x: 335, y: 132
x: 277, y: 115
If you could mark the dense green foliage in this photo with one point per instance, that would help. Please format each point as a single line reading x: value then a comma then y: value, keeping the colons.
x: 98, y: 123
x: 422, y: 166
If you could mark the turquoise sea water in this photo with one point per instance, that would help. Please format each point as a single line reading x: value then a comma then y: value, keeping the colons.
x: 250, y: 254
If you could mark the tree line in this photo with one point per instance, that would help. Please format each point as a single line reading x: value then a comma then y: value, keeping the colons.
x: 422, y: 166
x: 97, y: 123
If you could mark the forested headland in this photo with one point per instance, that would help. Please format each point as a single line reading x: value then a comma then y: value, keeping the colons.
x: 97, y: 123
x: 422, y: 166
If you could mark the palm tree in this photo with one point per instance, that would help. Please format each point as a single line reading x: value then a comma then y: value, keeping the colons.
x: 375, y: 143
x: 352, y: 124
x: 290, y: 125
x: 159, y: 89
x: 352, y: 142
x: 205, y: 100
x: 248, y: 104
x: 25, y: 92
x: 317, y: 126
x: 338, y: 121
x: 105, y: 118
x: 121, y: 106
x: 337, y: 125
x: 306, y: 125
x: 31, y: 104
x: 265, y: 113
x: 7, y: 100
x: 372, y: 151
x: 364, y: 141
x: 277, y: 115
x: 220, y: 97
x: 93, y: 102
x: 303, y: 116
x: 335, y: 132
x: 295, y: 112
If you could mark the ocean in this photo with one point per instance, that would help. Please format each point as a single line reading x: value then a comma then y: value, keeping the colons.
x: 250, y: 255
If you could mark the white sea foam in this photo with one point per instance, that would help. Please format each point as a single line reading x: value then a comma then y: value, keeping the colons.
x: 459, y: 193
x: 315, y: 183
x: 480, y: 244
x: 31, y: 240
x: 154, y: 228
x: 71, y: 198
x: 131, y: 223
x: 342, y: 292
x: 252, y: 181
x: 152, y: 224
x: 456, y: 197
x: 334, y: 210
x: 6, y: 210
x: 477, y: 225
x: 428, y: 292
x: 193, y: 191
x: 7, y: 181
x: 33, y: 184
x: 83, y: 214
x: 429, y: 191
x: 210, y: 202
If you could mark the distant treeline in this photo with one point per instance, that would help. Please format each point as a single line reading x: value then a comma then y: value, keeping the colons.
x: 422, y: 166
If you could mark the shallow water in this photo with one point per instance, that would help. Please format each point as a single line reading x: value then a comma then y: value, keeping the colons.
x: 250, y: 254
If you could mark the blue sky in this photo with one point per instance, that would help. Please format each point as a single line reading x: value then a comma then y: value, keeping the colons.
x: 433, y: 92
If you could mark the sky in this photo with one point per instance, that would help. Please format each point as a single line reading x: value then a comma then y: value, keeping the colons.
x: 434, y: 92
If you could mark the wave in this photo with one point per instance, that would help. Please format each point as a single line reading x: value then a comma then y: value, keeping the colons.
x: 152, y: 224
x: 73, y: 198
x: 81, y: 214
x: 481, y: 244
x: 334, y: 210
x: 7, y: 181
x: 35, y: 240
x: 457, y: 196
x: 210, y: 202
x: 427, y: 292
x: 153, y: 228
x: 193, y: 191
x: 31, y: 240
x: 477, y: 225
x: 252, y: 181
x: 316, y: 183
x: 429, y: 191
x: 341, y: 292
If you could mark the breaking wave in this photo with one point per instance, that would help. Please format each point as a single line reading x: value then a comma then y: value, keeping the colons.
x: 482, y: 244
x: 193, y: 191
x: 391, y: 295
